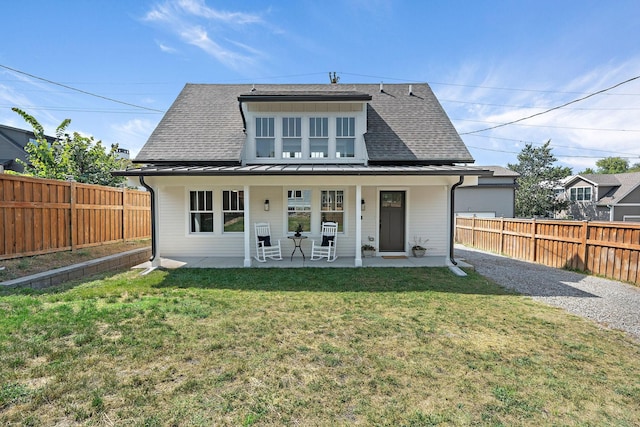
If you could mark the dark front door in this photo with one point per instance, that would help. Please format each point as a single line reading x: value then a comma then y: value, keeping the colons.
x: 392, y: 217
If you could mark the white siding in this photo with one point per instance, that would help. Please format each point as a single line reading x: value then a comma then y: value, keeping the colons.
x: 427, y: 209
x: 426, y: 214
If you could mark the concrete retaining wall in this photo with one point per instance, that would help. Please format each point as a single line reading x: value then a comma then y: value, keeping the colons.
x: 115, y: 262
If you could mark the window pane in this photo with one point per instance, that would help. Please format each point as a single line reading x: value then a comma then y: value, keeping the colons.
x: 333, y: 217
x: 292, y: 148
x: 319, y: 147
x: 291, y: 127
x: 201, y: 222
x: 208, y: 200
x: 265, y: 147
x: 345, y: 147
x: 193, y: 205
x: 302, y: 218
x: 233, y: 221
x: 264, y: 127
x: 318, y: 127
x: 345, y: 126
x: 299, y: 210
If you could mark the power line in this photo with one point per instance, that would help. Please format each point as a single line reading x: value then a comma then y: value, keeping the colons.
x: 546, y: 126
x: 554, y: 108
x: 559, y: 155
x: 476, y: 86
x: 80, y: 90
x: 533, y: 107
x: 84, y: 110
x: 555, y: 145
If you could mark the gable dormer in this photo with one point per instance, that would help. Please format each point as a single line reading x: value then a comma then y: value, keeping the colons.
x: 304, y: 126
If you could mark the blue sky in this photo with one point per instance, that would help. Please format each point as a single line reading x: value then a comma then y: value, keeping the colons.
x: 489, y: 62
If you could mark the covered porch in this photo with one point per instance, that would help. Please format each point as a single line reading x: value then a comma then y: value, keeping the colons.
x: 299, y: 262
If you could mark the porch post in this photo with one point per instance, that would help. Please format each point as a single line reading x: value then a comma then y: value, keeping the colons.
x: 358, y: 262
x: 247, y: 227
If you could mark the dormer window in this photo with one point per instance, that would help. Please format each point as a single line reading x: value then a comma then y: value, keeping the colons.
x: 291, y: 138
x: 345, y: 137
x: 318, y: 137
x: 265, y: 137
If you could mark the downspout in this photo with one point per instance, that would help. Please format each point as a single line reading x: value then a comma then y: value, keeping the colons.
x: 153, y: 217
x: 452, y: 220
x: 244, y: 120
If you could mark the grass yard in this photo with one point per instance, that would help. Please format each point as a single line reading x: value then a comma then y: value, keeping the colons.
x: 240, y: 347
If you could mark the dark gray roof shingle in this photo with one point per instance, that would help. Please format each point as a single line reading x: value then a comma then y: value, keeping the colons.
x: 204, y: 124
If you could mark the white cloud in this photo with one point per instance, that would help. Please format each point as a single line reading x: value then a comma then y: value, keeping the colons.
x: 190, y: 21
x: 199, y: 8
x: 602, y: 126
x: 132, y: 134
x: 166, y: 48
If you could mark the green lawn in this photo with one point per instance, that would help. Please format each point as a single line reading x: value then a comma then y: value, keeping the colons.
x: 397, y: 347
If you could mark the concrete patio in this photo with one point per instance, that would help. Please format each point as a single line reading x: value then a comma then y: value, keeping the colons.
x: 299, y: 262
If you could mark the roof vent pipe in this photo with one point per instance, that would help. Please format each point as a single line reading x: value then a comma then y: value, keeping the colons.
x: 381, y: 87
x: 253, y: 88
x: 410, y: 90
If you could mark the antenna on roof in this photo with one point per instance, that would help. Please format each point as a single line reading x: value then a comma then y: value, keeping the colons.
x: 381, y: 87
x: 335, y: 79
x: 253, y: 87
x: 410, y: 90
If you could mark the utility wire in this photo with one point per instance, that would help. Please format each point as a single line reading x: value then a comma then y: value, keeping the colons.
x: 554, y: 108
x: 559, y: 155
x: 544, y: 126
x: 80, y: 90
x: 533, y: 107
x: 554, y: 145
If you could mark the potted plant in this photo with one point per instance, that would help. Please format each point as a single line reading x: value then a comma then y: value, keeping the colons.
x: 417, y: 247
x: 299, y: 230
x: 368, y: 251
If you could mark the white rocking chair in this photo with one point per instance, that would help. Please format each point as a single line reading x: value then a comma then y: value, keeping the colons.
x: 265, y: 246
x: 327, y: 246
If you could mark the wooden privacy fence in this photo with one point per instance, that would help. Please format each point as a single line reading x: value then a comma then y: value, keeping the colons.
x: 610, y: 249
x: 39, y: 216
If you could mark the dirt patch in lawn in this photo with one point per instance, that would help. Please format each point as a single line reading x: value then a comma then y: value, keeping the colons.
x: 25, y: 266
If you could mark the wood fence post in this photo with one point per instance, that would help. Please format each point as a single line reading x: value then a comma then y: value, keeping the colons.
x: 501, y: 235
x: 72, y: 217
x: 533, y: 240
x: 583, y: 244
x: 124, y: 214
x: 473, y: 231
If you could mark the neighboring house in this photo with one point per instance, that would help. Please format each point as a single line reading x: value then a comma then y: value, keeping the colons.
x: 12, y: 143
x: 382, y: 161
x: 493, y: 197
x: 603, y: 197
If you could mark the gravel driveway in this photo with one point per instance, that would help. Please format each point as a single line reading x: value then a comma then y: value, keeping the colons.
x: 613, y: 304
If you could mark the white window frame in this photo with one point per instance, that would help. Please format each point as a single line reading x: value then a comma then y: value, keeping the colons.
x: 319, y: 134
x: 340, y: 199
x: 575, y: 196
x: 200, y: 210
x: 346, y: 133
x: 292, y: 134
x: 298, y: 193
x: 265, y: 132
x: 239, y: 203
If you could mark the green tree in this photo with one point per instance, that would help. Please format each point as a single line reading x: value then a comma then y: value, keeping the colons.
x: 587, y: 171
x: 76, y: 156
x: 535, y: 195
x: 610, y: 165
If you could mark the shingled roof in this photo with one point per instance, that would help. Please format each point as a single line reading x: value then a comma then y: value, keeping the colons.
x: 204, y: 124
